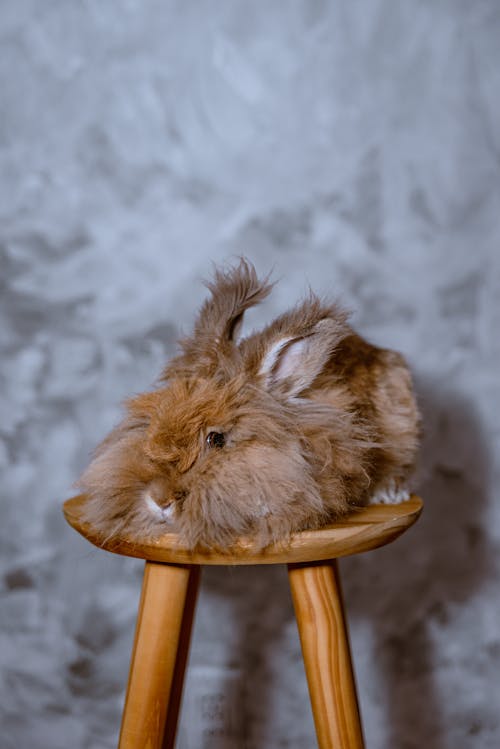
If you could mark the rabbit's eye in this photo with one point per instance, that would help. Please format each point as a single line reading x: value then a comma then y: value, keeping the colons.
x: 216, y: 439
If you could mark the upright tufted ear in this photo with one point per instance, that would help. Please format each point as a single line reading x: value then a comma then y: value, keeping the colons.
x: 212, y: 347
x: 232, y: 292
x: 292, y: 363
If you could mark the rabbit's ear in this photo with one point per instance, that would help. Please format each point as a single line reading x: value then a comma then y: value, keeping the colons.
x: 219, y: 319
x: 292, y: 363
x: 232, y: 292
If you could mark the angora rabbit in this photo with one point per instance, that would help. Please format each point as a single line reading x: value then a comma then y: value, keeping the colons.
x: 286, y: 429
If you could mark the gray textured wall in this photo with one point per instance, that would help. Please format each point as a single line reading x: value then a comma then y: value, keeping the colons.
x: 352, y: 146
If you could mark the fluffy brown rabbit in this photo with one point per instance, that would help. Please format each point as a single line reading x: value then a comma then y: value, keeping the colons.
x: 286, y: 429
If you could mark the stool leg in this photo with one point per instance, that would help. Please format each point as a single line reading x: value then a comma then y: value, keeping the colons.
x: 174, y: 702
x: 159, y: 656
x: 323, y: 633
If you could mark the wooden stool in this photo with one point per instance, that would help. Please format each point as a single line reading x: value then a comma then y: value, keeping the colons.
x: 167, y: 606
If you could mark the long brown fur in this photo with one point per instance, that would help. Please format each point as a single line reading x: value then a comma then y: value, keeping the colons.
x: 315, y: 421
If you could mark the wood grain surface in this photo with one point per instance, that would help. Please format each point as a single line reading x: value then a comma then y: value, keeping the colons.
x: 365, y: 528
x: 158, y: 656
x: 324, y: 639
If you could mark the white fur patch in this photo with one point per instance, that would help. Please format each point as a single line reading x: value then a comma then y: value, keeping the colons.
x: 390, y: 494
x: 166, y: 514
x: 262, y: 510
x: 289, y: 358
x: 271, y: 357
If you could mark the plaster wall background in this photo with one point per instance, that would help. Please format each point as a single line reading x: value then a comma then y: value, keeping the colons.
x: 351, y: 146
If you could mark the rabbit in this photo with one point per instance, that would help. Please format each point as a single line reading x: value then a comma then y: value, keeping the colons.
x: 289, y: 428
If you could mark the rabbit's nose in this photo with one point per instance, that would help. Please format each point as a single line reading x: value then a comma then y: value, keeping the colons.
x: 167, y: 512
x: 163, y: 510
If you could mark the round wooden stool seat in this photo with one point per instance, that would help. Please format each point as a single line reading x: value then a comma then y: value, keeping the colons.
x: 167, y: 607
x: 366, y: 528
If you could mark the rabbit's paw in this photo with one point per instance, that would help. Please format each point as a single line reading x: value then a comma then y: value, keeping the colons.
x: 390, y: 494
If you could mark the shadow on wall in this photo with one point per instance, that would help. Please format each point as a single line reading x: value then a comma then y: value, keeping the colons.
x: 411, y: 590
x: 264, y: 655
